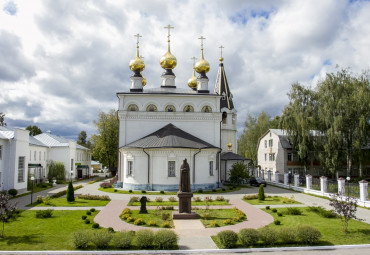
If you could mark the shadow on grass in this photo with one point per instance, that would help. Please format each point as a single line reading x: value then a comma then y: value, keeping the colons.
x: 20, y: 239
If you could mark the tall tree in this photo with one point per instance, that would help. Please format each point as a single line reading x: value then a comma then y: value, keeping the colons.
x: 34, y: 130
x: 81, y: 140
x: 2, y: 120
x: 298, y: 119
x: 106, y: 141
x: 344, y: 116
x: 254, y: 128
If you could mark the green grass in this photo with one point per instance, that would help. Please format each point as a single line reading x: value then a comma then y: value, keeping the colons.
x: 138, y: 192
x: 275, y: 200
x: 168, y: 203
x: 152, y: 215
x: 217, y: 216
x: 29, y: 233
x: 331, y: 229
x: 62, y: 201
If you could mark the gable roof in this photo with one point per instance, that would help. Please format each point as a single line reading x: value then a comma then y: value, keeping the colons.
x: 34, y: 141
x: 283, y: 137
x: 51, y: 140
x: 229, y: 155
x: 169, y: 136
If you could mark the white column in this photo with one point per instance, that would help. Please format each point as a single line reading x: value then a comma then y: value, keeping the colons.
x: 364, y: 195
x: 341, y: 186
x: 309, y: 181
x: 296, y: 180
x: 277, y: 176
x: 269, y: 175
x: 324, y: 184
x: 286, y: 176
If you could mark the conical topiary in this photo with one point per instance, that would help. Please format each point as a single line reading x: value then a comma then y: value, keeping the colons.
x: 261, y: 193
x: 70, y: 192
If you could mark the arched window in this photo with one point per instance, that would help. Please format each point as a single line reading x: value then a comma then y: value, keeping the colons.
x: 170, y: 108
x: 151, y: 108
x: 206, y: 109
x: 132, y: 108
x: 188, y: 108
x: 224, y: 118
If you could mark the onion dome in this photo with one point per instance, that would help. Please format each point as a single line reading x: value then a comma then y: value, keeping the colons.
x: 168, y: 61
x: 137, y: 64
x: 229, y: 145
x: 202, y: 66
x: 192, y: 82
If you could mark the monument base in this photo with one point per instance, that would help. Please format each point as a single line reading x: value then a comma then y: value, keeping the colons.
x: 185, y: 201
x: 184, y: 216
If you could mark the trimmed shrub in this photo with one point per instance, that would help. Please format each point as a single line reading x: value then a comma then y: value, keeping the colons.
x: 143, y: 191
x: 47, y: 200
x: 81, y: 239
x: 277, y: 222
x: 227, y: 238
x: 144, y: 238
x: 101, y: 239
x: 88, y: 213
x: 130, y: 191
x: 83, y: 217
x: 87, y: 221
x: 250, y: 197
x: 151, y: 223
x: 167, y: 208
x: 130, y: 219
x: 293, y: 211
x: 70, y: 192
x: 267, y: 207
x: 288, y: 235
x: 200, y: 191
x: 43, y: 214
x: 110, y: 229
x: 261, y: 193
x: 228, y: 222
x: 39, y: 199
x: 197, y: 199
x: 213, y: 190
x: 165, y: 216
x: 162, y: 192
x: 279, y: 214
x: 95, y: 225
x: 268, y: 235
x: 308, y: 234
x: 248, y: 236
x: 126, y: 211
x: 322, y: 212
x: 123, y: 240
x: 274, y: 210
x: 223, y: 189
x: 172, y: 199
x: 13, y: 192
x: 134, y: 199
x: 139, y: 221
x: 208, y: 199
x: 165, y: 224
x: 115, y: 190
x: 92, y: 210
x: 213, y: 224
x: 93, y: 197
x: 159, y: 199
x: 165, y: 239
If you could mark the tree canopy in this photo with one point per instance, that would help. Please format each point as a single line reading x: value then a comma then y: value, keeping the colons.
x: 82, y: 140
x: 2, y: 120
x: 106, y: 141
x: 34, y: 130
x: 254, y: 128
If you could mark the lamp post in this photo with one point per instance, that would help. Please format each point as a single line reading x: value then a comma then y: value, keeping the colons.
x: 32, y: 179
x: 289, y: 178
x: 348, y: 179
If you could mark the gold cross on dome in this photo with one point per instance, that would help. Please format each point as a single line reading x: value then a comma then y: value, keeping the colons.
x: 169, y: 31
x: 221, y: 47
x: 137, y: 42
x: 193, y: 58
x: 201, y: 39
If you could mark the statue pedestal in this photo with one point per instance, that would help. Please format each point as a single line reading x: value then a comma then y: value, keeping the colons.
x: 185, y: 207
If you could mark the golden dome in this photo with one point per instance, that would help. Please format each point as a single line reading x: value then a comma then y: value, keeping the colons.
x: 221, y: 59
x: 143, y: 82
x: 168, y: 61
x: 230, y: 145
x: 192, y: 82
x: 202, y: 66
x: 137, y: 64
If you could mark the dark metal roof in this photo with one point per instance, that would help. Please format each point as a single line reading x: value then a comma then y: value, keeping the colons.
x: 231, y: 156
x: 222, y: 88
x: 169, y: 136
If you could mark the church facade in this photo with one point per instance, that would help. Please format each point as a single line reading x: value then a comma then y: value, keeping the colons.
x: 160, y: 127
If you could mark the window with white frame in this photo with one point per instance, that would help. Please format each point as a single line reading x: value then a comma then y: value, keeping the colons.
x: 211, y: 168
x: 272, y: 156
x: 1, y: 152
x: 21, y: 169
x: 130, y: 167
x: 270, y: 143
x: 265, y: 143
x: 44, y: 155
x: 71, y: 164
x: 290, y: 156
x: 171, y: 168
x: 30, y: 155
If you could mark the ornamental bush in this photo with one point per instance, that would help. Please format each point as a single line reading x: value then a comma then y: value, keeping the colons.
x: 144, y: 238
x: 197, y: 199
x: 268, y: 235
x: 172, y: 199
x: 151, y: 223
x: 227, y: 238
x: 277, y: 222
x: 293, y: 211
x: 288, y: 235
x: 83, y: 217
x: 95, y: 225
x: 165, y: 239
x: 70, y: 192
x: 214, y: 224
x: 261, y: 193
x: 159, y: 199
x: 165, y: 224
x: 123, y: 240
x: 81, y: 239
x: 101, y: 239
x: 92, y: 210
x: 13, y: 192
x: 139, y: 221
x: 44, y: 213
x: 250, y: 197
x: 248, y: 236
x: 87, y: 221
x: 93, y: 197
x: 308, y: 235
x: 88, y: 213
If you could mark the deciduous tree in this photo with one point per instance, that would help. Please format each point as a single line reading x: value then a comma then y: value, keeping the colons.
x: 2, y: 120
x: 6, y: 210
x: 238, y: 172
x: 34, y: 130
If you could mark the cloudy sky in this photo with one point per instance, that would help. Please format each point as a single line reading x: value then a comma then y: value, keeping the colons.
x: 61, y: 62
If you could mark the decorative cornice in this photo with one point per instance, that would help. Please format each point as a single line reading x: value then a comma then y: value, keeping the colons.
x: 125, y: 115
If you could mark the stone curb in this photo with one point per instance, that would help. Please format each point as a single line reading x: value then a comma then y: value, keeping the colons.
x: 246, y: 250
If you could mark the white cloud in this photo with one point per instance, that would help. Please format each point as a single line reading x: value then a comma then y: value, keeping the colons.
x: 67, y: 59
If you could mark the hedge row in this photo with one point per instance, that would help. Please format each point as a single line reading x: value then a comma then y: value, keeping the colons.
x: 266, y: 236
x: 144, y: 239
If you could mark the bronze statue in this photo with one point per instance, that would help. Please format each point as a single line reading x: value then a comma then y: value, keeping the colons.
x: 184, y: 177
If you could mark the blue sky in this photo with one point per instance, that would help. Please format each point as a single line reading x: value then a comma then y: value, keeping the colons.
x: 63, y: 61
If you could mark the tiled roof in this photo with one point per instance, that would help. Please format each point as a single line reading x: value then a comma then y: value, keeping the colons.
x: 170, y: 136
x: 231, y: 156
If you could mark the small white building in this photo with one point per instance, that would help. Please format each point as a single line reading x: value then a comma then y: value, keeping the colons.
x: 162, y: 126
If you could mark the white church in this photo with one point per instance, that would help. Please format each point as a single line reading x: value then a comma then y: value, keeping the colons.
x: 160, y: 127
